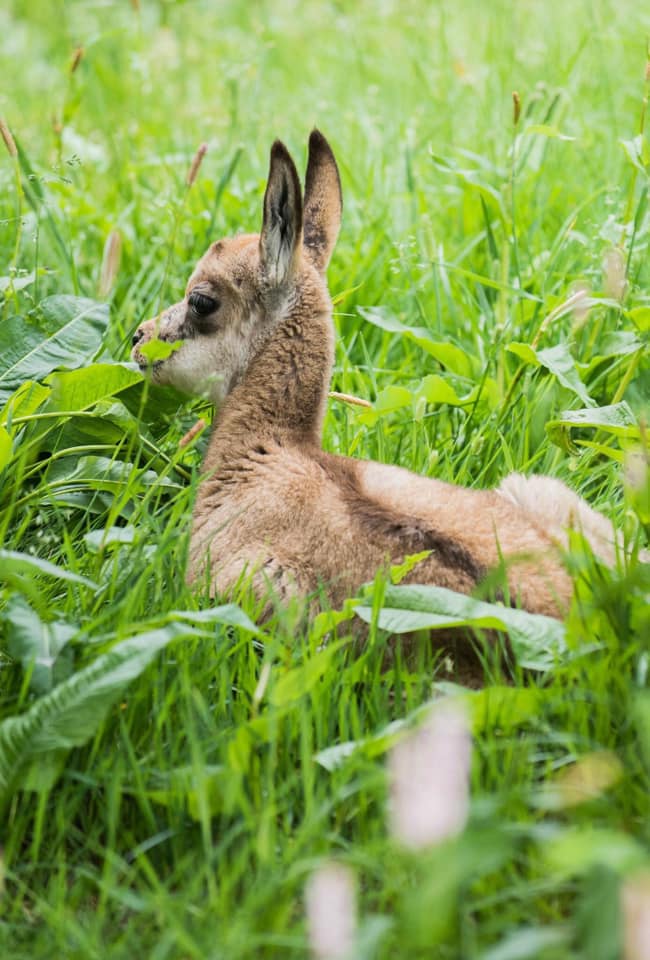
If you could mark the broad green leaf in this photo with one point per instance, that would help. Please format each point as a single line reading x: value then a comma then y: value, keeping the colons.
x: 24, y: 401
x: 641, y: 713
x: 227, y: 614
x: 529, y: 943
x: 640, y: 316
x: 17, y: 283
x: 80, y: 389
x: 331, y: 758
x: 574, y: 850
x: 434, y: 389
x: 388, y: 401
x: 159, y: 349
x: 296, y: 682
x: 193, y: 788
x: 102, y: 473
x: 13, y: 563
x: 35, y: 643
x: 98, y: 540
x: 27, y: 353
x: 617, y: 419
x: 41, y: 773
x: 558, y: 361
x: 6, y: 448
x: 538, y: 642
x: 328, y: 620
x: 525, y: 352
x: 393, y: 398
x: 69, y: 715
x: 505, y: 708
x: 617, y: 343
x: 546, y: 130
x: 637, y: 152
x: 448, y: 354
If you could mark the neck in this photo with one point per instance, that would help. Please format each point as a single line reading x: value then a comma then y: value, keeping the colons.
x: 282, y: 395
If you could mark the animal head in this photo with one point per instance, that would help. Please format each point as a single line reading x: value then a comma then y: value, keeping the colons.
x: 244, y: 286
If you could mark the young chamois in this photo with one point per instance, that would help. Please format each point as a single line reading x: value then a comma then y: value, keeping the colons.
x: 273, y: 508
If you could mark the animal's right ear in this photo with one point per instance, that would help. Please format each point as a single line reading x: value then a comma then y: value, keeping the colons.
x: 281, y: 236
x: 323, y: 201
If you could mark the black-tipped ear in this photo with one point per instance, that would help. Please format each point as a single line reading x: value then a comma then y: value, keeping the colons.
x: 281, y: 237
x: 323, y: 201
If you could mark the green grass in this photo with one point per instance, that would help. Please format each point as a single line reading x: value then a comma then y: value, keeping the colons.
x: 176, y: 810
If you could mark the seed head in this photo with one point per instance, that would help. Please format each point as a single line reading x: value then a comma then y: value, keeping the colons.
x: 192, y: 433
x: 614, y: 270
x: 330, y: 905
x: 10, y: 143
x: 635, y: 908
x: 429, y: 779
x: 516, y: 107
x: 77, y: 57
x: 196, y: 163
x: 110, y: 262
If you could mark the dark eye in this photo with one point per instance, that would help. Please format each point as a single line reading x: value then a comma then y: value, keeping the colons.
x: 201, y: 304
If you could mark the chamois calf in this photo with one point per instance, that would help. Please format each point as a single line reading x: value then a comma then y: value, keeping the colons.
x: 256, y: 336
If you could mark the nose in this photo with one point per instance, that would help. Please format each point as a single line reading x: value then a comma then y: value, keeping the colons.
x: 137, y: 337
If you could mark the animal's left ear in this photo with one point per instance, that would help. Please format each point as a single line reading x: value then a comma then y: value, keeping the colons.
x: 323, y: 202
x: 281, y: 236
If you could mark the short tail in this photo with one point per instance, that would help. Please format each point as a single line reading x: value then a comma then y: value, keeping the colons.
x: 557, y: 510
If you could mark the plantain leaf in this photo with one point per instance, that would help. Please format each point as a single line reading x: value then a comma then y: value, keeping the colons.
x: 99, y: 540
x: 574, y: 850
x: 227, y: 614
x: 35, y: 643
x: 27, y: 353
x: 24, y: 401
x: 558, y: 361
x: 14, y: 564
x: 640, y: 316
x: 6, y: 448
x: 294, y: 683
x: 69, y: 715
x: 102, y: 473
x: 617, y: 419
x: 538, y: 642
x: 80, y: 389
x: 448, y: 354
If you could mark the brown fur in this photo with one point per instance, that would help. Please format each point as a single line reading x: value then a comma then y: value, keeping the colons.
x: 272, y: 506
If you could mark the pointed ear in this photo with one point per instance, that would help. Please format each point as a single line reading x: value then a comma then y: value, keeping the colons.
x: 323, y: 202
x: 281, y: 236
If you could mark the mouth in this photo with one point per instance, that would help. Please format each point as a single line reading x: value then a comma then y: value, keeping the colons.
x: 144, y: 365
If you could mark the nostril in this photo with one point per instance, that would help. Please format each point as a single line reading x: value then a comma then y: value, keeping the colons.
x: 137, y: 337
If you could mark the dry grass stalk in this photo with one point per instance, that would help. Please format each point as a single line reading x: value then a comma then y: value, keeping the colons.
x: 192, y: 433
x: 196, y: 163
x: 77, y: 57
x: 10, y: 143
x: 110, y: 262
x: 349, y: 398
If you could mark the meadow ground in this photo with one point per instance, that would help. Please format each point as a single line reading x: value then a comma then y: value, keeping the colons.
x: 171, y: 775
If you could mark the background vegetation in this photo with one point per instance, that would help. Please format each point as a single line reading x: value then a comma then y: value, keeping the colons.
x: 170, y: 774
